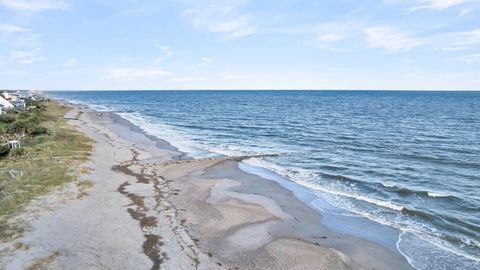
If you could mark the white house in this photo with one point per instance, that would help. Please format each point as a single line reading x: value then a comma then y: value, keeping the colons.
x: 5, y: 103
x: 14, y: 97
x: 6, y: 95
x: 20, y: 104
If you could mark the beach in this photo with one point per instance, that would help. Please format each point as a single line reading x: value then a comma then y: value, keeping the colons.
x: 151, y: 207
x: 239, y: 134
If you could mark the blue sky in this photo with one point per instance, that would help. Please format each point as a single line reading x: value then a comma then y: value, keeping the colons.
x: 240, y: 44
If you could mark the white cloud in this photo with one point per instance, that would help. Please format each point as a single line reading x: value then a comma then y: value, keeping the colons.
x: 223, y: 17
x: 327, y: 42
x: 205, y: 62
x: 18, y: 54
x: 391, y: 40
x: 135, y: 73
x: 71, y: 62
x: 28, y: 57
x: 330, y: 37
x: 11, y: 72
x: 431, y: 4
x: 467, y: 37
x: 167, y: 53
x: 186, y: 79
x: 234, y: 28
x: 206, y: 59
x: 464, y: 12
x: 34, y: 5
x: 458, y: 41
x: 447, y: 41
x: 355, y: 11
x: 9, y: 28
x: 31, y: 60
x: 470, y: 59
x: 442, y: 4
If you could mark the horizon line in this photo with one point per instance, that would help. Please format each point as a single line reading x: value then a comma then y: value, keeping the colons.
x: 372, y: 90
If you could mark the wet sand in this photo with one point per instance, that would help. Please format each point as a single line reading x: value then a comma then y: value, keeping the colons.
x: 150, y: 208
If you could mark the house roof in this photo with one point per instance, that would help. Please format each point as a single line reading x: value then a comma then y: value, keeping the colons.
x: 5, y: 102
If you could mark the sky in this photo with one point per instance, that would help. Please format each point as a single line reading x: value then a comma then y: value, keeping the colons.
x: 240, y: 44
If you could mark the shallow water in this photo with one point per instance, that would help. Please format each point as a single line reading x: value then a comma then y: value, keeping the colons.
x: 410, y: 160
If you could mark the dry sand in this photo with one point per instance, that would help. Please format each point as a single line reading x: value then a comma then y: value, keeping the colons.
x: 149, y: 210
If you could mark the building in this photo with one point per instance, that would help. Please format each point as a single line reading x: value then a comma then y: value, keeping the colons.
x: 20, y: 104
x: 5, y: 103
x: 5, y: 95
x: 13, y: 97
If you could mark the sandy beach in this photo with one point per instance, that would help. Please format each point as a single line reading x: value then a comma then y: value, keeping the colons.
x: 150, y: 207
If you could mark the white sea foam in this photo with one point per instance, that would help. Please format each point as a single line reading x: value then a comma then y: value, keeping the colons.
x: 96, y: 107
x: 74, y: 101
x: 302, y: 177
x: 437, y: 194
x: 101, y: 108
x: 423, y: 251
x: 337, y: 197
x: 325, y: 207
x: 388, y: 184
x: 181, y: 140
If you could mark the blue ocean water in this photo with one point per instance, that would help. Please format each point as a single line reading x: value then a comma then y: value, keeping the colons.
x: 410, y: 160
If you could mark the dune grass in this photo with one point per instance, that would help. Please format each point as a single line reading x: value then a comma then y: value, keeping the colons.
x: 48, y: 160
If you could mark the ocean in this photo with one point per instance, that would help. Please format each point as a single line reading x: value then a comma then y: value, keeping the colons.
x: 407, y: 160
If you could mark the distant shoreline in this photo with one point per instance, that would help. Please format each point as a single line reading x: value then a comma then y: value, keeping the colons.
x: 292, y: 90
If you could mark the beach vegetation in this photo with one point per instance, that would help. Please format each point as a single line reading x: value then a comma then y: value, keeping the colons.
x: 42, y: 262
x: 39, y: 131
x: 50, y: 154
x: 82, y: 187
x: 7, y: 118
x: 17, y: 152
x: 4, y: 151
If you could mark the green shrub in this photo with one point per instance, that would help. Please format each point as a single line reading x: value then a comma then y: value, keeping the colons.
x: 7, y: 118
x: 3, y: 129
x: 21, y: 126
x: 16, y: 152
x: 23, y: 115
x: 26, y: 125
x: 35, y: 120
x: 39, y: 131
x: 4, y: 151
x: 30, y: 102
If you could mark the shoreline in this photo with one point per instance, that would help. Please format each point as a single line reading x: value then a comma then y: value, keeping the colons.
x: 344, y: 223
x: 339, y: 220
x: 189, y: 214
